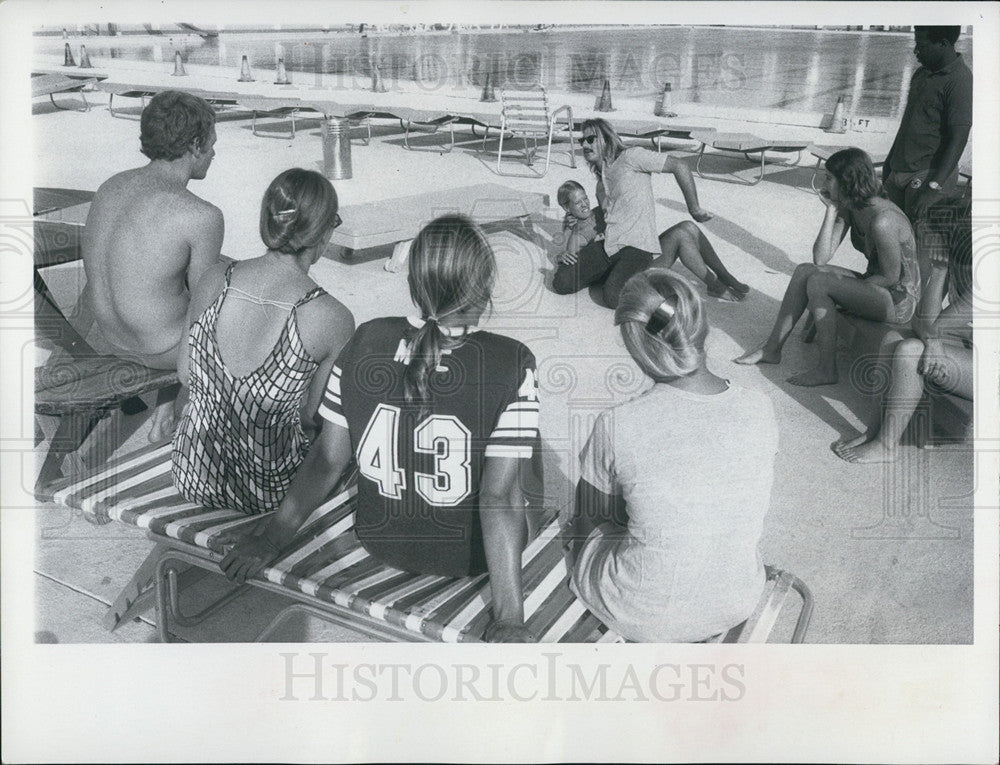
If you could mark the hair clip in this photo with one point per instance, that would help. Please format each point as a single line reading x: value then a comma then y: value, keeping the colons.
x: 661, y: 316
x: 289, y: 211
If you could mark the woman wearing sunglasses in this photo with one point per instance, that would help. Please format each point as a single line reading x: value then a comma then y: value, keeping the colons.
x: 631, y: 241
x: 262, y: 342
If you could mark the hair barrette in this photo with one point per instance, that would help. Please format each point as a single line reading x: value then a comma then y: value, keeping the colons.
x: 662, y: 315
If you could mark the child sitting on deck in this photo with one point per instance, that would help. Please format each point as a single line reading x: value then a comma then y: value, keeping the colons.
x: 674, y: 484
x: 581, y: 224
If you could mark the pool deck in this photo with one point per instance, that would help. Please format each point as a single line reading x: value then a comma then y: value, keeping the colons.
x: 886, y: 550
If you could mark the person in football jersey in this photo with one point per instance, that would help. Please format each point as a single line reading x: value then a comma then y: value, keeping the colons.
x: 675, y: 483
x: 442, y: 419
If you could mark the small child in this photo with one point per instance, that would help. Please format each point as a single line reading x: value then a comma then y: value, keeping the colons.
x: 581, y: 225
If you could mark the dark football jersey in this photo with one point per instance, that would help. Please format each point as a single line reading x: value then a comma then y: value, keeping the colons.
x: 420, y: 466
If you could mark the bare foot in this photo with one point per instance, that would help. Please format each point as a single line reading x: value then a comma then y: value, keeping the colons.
x: 759, y: 356
x: 400, y: 254
x: 97, y: 514
x: 856, y: 440
x: 394, y: 266
x: 715, y: 286
x: 813, y: 378
x: 868, y: 453
x: 738, y: 287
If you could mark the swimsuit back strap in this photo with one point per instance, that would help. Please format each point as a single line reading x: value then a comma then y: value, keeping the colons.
x: 229, y: 273
x: 310, y: 295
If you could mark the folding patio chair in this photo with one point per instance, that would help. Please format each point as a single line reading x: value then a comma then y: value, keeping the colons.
x: 525, y: 114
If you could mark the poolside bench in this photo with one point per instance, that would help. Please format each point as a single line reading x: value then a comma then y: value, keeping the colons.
x: 398, y: 221
x: 329, y: 575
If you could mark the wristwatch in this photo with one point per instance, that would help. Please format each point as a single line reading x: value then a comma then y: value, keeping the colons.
x: 934, y: 186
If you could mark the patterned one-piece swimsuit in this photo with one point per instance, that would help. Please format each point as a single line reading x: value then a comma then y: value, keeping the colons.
x: 240, y: 439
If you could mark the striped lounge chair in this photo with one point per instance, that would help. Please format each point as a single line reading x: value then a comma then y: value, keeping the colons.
x: 329, y: 575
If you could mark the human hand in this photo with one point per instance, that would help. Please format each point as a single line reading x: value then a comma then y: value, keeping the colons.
x: 508, y: 632
x: 933, y: 364
x: 568, y: 258
x: 248, y: 558
x: 700, y: 215
x: 569, y: 220
x: 824, y: 197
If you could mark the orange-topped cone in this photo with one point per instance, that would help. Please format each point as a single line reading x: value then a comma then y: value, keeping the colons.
x: 488, y: 96
x: 84, y: 58
x: 838, y: 124
x: 604, y: 101
x: 68, y: 56
x: 377, y: 85
x: 282, y: 78
x: 245, y: 75
x: 178, y: 65
x: 663, y: 106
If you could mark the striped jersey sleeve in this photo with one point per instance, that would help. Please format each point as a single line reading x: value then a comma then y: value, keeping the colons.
x: 516, y: 431
x: 331, y: 407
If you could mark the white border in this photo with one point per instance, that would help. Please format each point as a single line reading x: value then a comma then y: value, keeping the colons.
x: 220, y: 702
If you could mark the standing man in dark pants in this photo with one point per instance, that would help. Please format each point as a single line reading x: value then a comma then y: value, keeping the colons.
x: 922, y: 166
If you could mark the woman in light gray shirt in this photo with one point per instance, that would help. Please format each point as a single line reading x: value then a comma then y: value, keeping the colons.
x: 674, y: 484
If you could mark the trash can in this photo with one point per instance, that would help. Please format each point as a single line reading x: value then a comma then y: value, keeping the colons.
x: 337, y: 149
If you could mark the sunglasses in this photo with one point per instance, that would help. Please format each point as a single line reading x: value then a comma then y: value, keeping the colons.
x: 587, y: 140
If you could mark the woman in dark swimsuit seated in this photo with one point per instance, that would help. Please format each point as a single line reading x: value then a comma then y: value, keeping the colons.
x: 888, y: 289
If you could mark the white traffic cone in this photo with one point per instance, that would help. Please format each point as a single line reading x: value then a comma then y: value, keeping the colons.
x: 664, y: 104
x: 245, y: 75
x: 179, y: 70
x: 839, y: 122
x: 282, y: 78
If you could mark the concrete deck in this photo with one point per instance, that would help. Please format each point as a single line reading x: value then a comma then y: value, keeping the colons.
x: 886, y: 550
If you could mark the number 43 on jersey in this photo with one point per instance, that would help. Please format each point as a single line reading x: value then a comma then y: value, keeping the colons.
x: 441, y: 435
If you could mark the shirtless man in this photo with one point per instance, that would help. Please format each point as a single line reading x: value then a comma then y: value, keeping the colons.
x: 148, y: 238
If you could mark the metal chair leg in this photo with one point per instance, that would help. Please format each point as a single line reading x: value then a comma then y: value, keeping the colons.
x: 86, y: 106
x: 168, y: 594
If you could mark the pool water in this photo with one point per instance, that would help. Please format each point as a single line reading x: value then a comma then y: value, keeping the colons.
x: 795, y: 69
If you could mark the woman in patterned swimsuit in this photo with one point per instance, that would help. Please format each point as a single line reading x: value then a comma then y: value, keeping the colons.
x: 887, y: 291
x: 262, y: 342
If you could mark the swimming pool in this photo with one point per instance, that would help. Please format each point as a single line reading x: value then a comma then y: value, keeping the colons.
x: 782, y: 68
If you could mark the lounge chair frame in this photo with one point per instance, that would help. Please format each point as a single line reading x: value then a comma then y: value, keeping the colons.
x: 752, y: 145
x: 351, y: 589
x: 525, y: 114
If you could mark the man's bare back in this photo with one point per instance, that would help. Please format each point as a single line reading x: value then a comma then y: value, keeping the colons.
x: 147, y: 238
